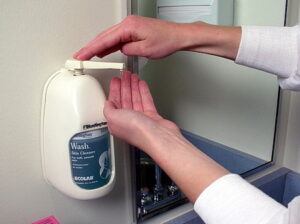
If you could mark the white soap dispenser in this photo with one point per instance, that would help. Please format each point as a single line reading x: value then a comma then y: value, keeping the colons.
x: 77, y: 150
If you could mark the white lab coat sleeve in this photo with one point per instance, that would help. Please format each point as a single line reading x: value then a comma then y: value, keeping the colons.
x: 274, y: 50
x: 231, y: 199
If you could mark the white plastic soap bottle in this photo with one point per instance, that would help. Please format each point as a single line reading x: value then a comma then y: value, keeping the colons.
x: 77, y: 149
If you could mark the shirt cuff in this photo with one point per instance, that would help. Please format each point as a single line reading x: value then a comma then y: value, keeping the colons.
x: 270, y: 49
x: 231, y: 199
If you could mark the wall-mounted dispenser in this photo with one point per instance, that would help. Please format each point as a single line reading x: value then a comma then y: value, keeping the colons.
x: 218, y: 12
x: 77, y: 149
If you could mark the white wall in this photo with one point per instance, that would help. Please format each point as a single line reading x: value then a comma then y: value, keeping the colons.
x: 36, y: 37
x: 217, y: 99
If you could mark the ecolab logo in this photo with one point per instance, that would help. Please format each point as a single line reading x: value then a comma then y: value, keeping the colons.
x: 83, y: 178
x: 88, y: 126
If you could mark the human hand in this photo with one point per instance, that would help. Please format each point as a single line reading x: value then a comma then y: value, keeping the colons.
x: 132, y: 116
x: 155, y: 39
x: 131, y: 113
x: 137, y: 36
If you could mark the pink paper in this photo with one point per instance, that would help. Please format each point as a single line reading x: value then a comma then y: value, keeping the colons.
x: 48, y: 220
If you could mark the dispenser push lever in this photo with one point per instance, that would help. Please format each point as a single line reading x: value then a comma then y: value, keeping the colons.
x: 79, y: 65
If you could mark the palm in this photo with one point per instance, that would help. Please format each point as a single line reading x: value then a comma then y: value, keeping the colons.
x: 130, y: 109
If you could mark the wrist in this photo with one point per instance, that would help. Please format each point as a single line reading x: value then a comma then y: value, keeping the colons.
x: 160, y: 141
x: 216, y: 40
x: 194, y: 35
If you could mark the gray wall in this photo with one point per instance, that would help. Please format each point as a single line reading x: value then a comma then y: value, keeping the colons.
x: 216, y: 98
x: 36, y: 38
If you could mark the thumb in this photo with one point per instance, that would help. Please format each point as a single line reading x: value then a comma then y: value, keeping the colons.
x: 136, y: 48
x: 109, y: 109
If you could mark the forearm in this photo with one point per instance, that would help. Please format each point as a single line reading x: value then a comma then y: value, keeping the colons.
x: 187, y: 166
x: 221, y: 41
x: 220, y: 198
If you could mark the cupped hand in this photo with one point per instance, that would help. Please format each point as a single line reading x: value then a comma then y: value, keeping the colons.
x: 131, y: 113
x: 137, y: 36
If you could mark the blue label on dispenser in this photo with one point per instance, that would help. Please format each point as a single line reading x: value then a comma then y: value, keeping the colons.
x: 90, y: 158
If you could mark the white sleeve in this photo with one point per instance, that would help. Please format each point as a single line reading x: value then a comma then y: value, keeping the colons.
x: 274, y: 50
x: 231, y: 199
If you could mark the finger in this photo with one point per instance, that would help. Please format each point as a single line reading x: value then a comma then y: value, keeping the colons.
x: 126, y: 90
x: 147, y: 100
x: 109, y: 112
x: 104, y: 42
x: 135, y: 93
x: 115, y: 92
x: 110, y: 50
x: 136, y: 48
x: 87, y: 52
x: 109, y: 106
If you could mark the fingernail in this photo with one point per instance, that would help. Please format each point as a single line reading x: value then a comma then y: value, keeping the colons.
x: 83, y: 55
x: 79, y: 55
x: 76, y: 54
